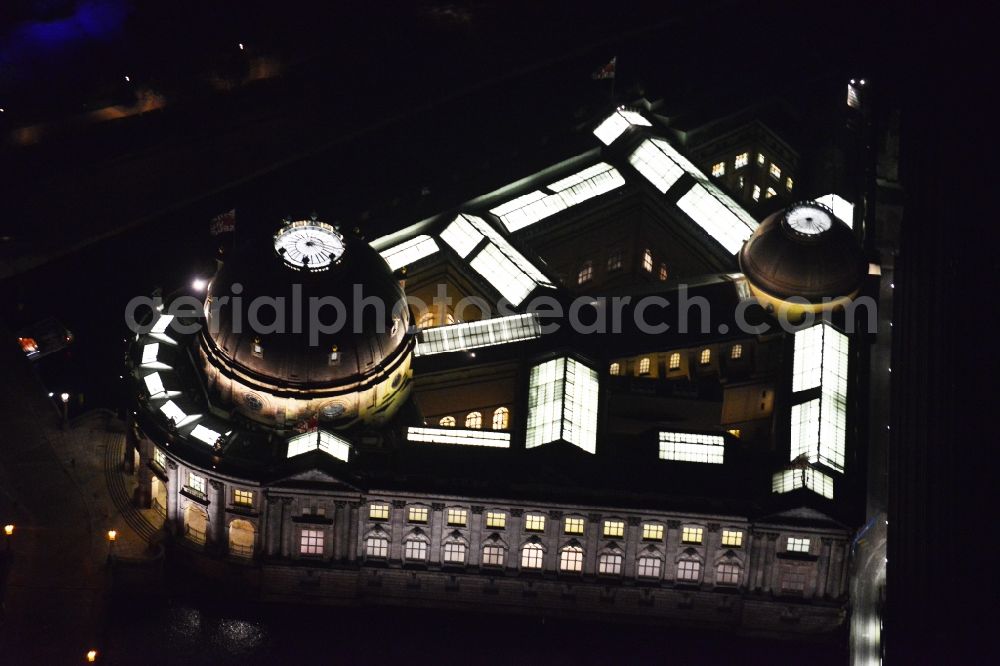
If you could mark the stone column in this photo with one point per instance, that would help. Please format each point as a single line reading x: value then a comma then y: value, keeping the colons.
x: 355, y: 526
x: 770, y: 565
x: 339, y: 533
x: 823, y: 567
x: 217, y: 516
x: 755, y: 567
x: 476, y: 536
x: 712, y: 541
x: 436, y: 526
x: 633, y: 536
x: 173, y: 489
x: 591, y: 543
x: 286, y: 530
x: 269, y: 524
x: 514, y: 538
x: 839, y: 575
x: 673, y: 536
x: 131, y: 444
x: 396, y: 533
x: 553, y: 537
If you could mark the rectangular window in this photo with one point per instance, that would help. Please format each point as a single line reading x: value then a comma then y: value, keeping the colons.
x: 732, y: 538
x: 160, y: 458
x: 796, y: 545
x: 775, y: 171
x: 615, y: 260
x: 770, y: 193
x: 415, y: 550
x: 496, y: 520
x: 609, y: 564
x: 459, y: 517
x: 675, y: 361
x: 789, y: 183
x: 614, y: 529
x: 493, y: 556
x: 534, y: 522
x: 761, y: 160
x: 574, y: 526
x: 649, y: 567
x: 196, y: 482
x: 454, y: 553
x: 562, y: 404
x: 243, y: 497
x: 741, y: 160
x: 719, y: 169
x: 647, y: 261
x: 705, y: 357
x: 756, y: 192
x: 692, y: 447
x: 378, y: 512
x: 691, y: 535
x: 688, y: 570
x: 652, y: 532
x: 376, y: 547
x: 417, y: 514
x: 311, y: 542
x: 727, y: 574
x: 571, y: 559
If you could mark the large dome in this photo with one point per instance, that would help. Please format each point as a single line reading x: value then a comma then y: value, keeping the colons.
x: 265, y: 337
x: 803, y: 251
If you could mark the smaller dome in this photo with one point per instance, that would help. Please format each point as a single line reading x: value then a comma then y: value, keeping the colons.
x: 804, y: 251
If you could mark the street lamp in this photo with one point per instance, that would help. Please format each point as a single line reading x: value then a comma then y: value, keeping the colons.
x: 112, y: 535
x: 65, y: 409
x: 198, y: 284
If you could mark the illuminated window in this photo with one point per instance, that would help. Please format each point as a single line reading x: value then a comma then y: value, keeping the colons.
x: 706, y: 356
x: 647, y: 260
x: 571, y: 559
x: 761, y: 159
x: 454, y: 553
x: 196, y: 482
x: 788, y: 183
x: 609, y: 564
x: 741, y: 160
x: 648, y: 567
x: 613, y: 528
x: 334, y: 357
x: 378, y: 512
x: 644, y: 366
x: 691, y: 535
x: 534, y: 522
x: 770, y: 193
x: 494, y: 555
x: 615, y: 369
x: 415, y: 550
x: 735, y: 432
x: 615, y: 260
x: 675, y: 361
x: 853, y: 98
x: 574, y: 526
x: 756, y: 192
x: 617, y: 123
x: 243, y: 497
x: 692, y: 447
x: 732, y: 538
x: 475, y: 334
x: 562, y: 404
x: 376, y: 546
x: 793, y: 582
x: 311, y: 542
x: 586, y: 272
x: 160, y: 458
x: 727, y: 574
x: 652, y: 532
x: 775, y: 171
x: 688, y: 570
x: 258, y: 349
x: 719, y: 169
x: 496, y: 520
x: 447, y: 422
x: 409, y: 251
x: 458, y: 517
x: 736, y: 352
x: 426, y: 320
x: 501, y: 418
x: 531, y: 556
x: 417, y: 514
x: 664, y: 274
x: 474, y: 420
x: 796, y: 545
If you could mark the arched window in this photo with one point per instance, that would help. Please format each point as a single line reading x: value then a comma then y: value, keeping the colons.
x: 571, y: 559
x: 615, y: 260
x: 586, y: 272
x: 474, y: 420
x: 195, y: 523
x: 736, y: 352
x: 727, y: 573
x: 376, y: 547
x: 609, y: 564
x: 501, y: 418
x: 241, y: 538
x: 664, y: 274
x: 648, y: 567
x: 647, y: 260
x: 447, y: 422
x: 449, y: 318
x: 675, y: 361
x: 531, y: 556
x: 615, y: 369
x: 415, y: 550
x: 454, y: 553
x: 426, y: 320
x: 689, y: 571
x: 706, y: 356
x: 644, y: 366
x: 494, y: 552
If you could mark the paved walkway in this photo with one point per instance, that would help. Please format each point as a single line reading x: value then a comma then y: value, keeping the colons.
x: 62, y: 489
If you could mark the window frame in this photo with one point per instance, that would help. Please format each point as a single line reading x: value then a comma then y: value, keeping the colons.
x: 688, y: 565
x: 538, y: 554
x: 652, y: 528
x: 416, y: 509
x: 455, y: 510
x: 420, y: 544
x: 246, y: 501
x: 693, y: 534
x: 474, y: 420
x: 312, y: 542
x: 534, y: 518
x: 576, y: 520
x: 640, y: 565
x: 616, y: 534
x: 571, y: 555
x: 734, y: 542
x: 496, y: 520
x: 386, y: 515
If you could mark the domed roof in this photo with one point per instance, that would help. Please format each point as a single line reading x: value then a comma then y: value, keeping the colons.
x: 307, y: 267
x: 804, y: 251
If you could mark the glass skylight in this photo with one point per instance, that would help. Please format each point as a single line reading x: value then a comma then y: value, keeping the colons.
x: 512, y: 283
x: 410, y: 251
x: 459, y: 437
x: 508, y: 250
x: 319, y: 440
x: 615, y: 125
x: 161, y: 323
x: 807, y: 360
x: 651, y: 160
x: 562, y: 404
x: 819, y: 426
x: 728, y: 225
x: 172, y: 411
x: 475, y: 334
x: 841, y: 207
x: 537, y: 205
x: 154, y: 384
x: 461, y: 236
x: 149, y: 352
x: 788, y: 480
x: 692, y: 447
x: 206, y: 435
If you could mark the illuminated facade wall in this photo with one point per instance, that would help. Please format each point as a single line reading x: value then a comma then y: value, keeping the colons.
x: 562, y: 404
